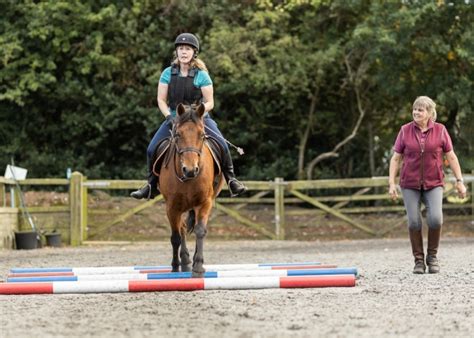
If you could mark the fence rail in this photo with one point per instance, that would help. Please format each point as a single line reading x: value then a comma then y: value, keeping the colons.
x: 278, y: 192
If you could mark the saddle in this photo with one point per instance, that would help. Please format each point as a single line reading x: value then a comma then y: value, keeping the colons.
x: 165, y: 151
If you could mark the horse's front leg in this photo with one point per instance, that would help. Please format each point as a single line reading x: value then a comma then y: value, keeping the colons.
x: 200, y: 230
x: 175, y: 223
x: 175, y: 243
x: 184, y: 252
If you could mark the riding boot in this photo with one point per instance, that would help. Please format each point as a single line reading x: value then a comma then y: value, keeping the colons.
x: 416, y: 239
x: 235, y: 187
x: 433, y: 244
x: 149, y: 190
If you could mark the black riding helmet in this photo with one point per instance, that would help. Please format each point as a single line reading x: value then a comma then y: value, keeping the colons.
x: 187, y: 39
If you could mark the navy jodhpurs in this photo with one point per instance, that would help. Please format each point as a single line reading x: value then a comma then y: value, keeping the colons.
x: 165, y: 131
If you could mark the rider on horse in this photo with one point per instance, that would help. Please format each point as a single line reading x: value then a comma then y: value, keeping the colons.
x: 186, y: 81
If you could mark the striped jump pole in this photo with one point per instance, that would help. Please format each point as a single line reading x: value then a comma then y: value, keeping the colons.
x: 191, y: 284
x: 133, y: 269
x: 186, y: 275
x: 165, y: 270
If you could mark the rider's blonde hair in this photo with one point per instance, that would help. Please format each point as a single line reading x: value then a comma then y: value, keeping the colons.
x: 428, y: 104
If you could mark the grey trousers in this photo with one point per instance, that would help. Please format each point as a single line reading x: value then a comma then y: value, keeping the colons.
x: 433, y: 201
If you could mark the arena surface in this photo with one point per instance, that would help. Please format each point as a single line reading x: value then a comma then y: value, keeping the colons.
x: 387, y: 301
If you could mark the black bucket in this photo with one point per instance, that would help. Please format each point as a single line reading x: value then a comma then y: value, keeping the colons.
x: 26, y: 240
x: 53, y: 239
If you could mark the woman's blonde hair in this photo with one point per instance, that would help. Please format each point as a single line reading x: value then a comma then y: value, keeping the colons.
x: 195, y: 62
x: 428, y: 104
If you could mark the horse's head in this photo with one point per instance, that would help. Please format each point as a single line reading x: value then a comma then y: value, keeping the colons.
x: 189, y: 138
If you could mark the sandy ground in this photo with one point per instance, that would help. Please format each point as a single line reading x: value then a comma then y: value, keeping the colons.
x: 387, y: 301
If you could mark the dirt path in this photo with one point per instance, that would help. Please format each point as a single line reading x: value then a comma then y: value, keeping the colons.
x: 387, y: 301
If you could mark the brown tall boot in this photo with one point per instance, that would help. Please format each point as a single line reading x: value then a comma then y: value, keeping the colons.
x: 433, y: 244
x: 416, y: 239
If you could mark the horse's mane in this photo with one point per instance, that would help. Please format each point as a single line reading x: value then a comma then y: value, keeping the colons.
x: 188, y: 115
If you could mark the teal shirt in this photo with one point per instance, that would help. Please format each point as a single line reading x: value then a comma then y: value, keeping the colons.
x: 201, y: 79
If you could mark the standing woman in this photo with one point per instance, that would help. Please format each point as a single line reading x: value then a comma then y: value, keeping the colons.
x: 420, y: 145
x: 186, y: 81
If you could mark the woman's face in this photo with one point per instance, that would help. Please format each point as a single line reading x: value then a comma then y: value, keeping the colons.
x: 420, y: 115
x: 185, y: 53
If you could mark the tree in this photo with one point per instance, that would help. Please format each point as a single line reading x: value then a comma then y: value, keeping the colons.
x: 295, y: 82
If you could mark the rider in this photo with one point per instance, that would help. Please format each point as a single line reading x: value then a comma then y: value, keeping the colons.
x: 186, y: 81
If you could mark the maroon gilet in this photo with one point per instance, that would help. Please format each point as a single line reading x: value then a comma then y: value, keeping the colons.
x: 422, y: 161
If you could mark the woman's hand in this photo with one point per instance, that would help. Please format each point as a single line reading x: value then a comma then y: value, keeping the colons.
x: 395, y: 162
x: 461, y: 188
x: 393, y: 191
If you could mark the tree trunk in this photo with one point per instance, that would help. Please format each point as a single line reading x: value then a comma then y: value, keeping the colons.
x: 371, y: 150
x: 354, y: 79
x: 305, y: 136
x: 334, y: 151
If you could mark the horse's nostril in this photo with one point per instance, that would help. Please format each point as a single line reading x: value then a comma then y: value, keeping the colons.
x: 196, y: 170
x: 184, y: 170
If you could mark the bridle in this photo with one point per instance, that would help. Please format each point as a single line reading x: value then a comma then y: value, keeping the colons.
x: 180, y: 151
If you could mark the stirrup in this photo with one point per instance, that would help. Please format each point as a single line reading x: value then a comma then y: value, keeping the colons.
x: 148, y: 196
x: 241, y: 190
x: 153, y: 192
x: 149, y: 191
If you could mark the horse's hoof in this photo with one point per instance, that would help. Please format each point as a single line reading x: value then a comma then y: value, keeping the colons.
x: 198, y: 271
x: 175, y: 269
x: 185, y: 268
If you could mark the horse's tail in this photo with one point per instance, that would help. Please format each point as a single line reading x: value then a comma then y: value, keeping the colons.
x: 190, y: 221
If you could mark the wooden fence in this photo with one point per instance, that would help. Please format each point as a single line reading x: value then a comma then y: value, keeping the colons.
x: 355, y: 196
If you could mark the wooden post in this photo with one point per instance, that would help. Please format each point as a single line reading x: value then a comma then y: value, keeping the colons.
x: 75, y: 203
x: 279, y: 208
x: 2, y: 195
x: 15, y: 196
x: 84, y: 210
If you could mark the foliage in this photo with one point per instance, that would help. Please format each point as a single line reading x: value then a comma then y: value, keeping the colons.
x: 78, y: 80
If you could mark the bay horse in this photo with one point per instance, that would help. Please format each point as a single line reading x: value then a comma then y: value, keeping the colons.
x: 189, y: 182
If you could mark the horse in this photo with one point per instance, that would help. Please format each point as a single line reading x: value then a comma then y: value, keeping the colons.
x: 189, y: 182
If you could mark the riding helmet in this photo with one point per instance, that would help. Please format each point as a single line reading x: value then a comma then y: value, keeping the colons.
x: 187, y: 39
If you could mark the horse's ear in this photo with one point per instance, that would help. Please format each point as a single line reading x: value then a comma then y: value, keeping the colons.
x: 180, y: 109
x: 201, y: 110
